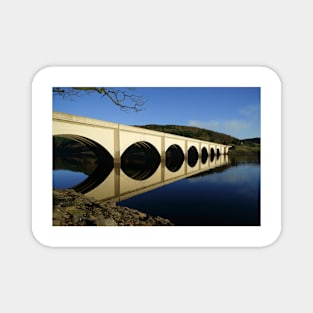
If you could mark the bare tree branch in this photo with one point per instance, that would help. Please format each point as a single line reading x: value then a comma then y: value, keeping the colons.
x: 122, y: 97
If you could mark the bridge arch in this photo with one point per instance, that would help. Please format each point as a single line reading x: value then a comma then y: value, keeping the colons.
x: 204, y: 155
x: 174, y: 158
x: 140, y: 160
x: 193, y: 156
x: 218, y: 151
x: 117, y: 138
x: 80, y: 154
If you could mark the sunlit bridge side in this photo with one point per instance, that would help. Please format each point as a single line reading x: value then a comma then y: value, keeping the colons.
x: 140, y: 160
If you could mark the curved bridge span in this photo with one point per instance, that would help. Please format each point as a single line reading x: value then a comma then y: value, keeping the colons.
x: 117, y: 138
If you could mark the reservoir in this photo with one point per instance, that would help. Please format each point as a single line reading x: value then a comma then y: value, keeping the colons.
x: 223, y: 190
x: 227, y: 196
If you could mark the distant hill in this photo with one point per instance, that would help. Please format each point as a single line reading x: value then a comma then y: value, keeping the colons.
x: 249, y: 145
x: 252, y: 140
x: 194, y: 132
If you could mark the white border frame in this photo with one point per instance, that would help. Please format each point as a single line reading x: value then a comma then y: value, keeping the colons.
x: 157, y: 236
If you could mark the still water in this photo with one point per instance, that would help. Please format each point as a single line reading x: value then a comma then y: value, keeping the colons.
x: 191, y: 190
x: 226, y: 197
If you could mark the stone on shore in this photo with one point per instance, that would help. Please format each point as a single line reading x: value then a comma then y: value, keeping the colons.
x: 71, y: 208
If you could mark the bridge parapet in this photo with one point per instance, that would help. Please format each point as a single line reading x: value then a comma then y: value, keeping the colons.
x: 116, y: 138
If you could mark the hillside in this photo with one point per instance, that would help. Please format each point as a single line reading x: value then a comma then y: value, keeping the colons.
x: 250, y: 145
x: 194, y: 132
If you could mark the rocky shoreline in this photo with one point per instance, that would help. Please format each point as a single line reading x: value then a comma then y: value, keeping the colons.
x: 71, y: 208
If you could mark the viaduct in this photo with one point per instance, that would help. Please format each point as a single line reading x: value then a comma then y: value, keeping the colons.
x: 117, y: 139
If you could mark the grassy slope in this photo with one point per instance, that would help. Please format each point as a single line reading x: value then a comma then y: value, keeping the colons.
x: 244, y: 146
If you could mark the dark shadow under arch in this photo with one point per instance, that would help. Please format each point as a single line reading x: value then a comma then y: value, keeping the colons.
x: 218, y: 153
x: 204, y: 155
x: 174, y: 158
x: 212, y: 154
x: 193, y: 156
x: 81, y: 154
x: 140, y: 160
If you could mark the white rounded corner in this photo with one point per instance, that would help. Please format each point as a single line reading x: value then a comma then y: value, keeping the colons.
x: 271, y: 74
x: 42, y: 73
x: 38, y: 238
x: 272, y: 239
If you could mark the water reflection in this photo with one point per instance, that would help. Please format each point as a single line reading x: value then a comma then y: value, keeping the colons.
x: 67, y: 178
x: 140, y: 160
x: 221, y: 196
x: 79, y: 163
x: 140, y: 169
x: 213, y: 190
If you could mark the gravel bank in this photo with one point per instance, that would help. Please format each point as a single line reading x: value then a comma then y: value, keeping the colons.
x: 71, y: 208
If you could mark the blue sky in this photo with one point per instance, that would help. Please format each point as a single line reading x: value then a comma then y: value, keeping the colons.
x: 234, y: 111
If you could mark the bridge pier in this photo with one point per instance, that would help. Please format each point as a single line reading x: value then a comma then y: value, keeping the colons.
x: 117, y: 155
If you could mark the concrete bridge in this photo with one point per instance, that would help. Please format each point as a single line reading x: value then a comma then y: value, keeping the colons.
x: 116, y: 140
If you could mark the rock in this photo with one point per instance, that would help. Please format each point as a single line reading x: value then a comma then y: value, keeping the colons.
x: 109, y: 222
x: 71, y: 208
x: 142, y: 215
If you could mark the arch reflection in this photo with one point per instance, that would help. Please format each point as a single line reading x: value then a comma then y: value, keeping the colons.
x: 140, y: 160
x: 118, y: 186
x: 193, y: 156
x: 212, y: 154
x: 174, y: 158
x: 204, y: 155
x: 74, y: 154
